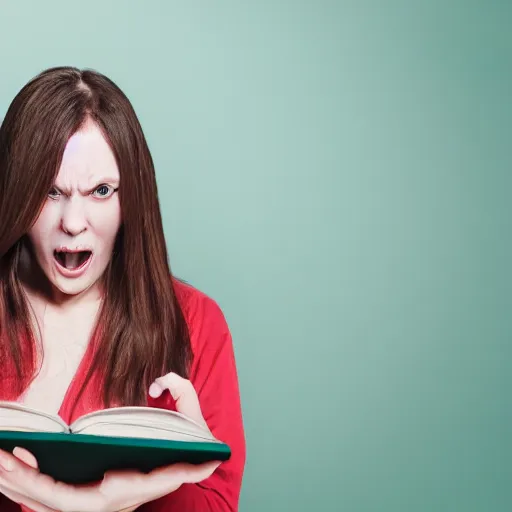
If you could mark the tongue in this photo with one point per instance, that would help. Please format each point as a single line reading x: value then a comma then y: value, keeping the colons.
x: 72, y: 260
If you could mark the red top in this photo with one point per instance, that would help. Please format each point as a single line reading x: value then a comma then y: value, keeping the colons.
x: 215, y: 380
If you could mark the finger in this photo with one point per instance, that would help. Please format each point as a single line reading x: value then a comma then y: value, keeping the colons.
x: 25, y: 456
x: 172, y: 478
x: 84, y: 498
x: 162, y: 481
x: 194, y: 473
x: 41, y: 489
x: 7, y: 461
x: 25, y: 500
x: 25, y: 482
x: 153, y: 485
x: 183, y: 393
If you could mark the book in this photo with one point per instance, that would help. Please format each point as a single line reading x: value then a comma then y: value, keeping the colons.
x: 129, y: 437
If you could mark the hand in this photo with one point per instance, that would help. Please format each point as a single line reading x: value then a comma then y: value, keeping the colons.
x: 119, y: 491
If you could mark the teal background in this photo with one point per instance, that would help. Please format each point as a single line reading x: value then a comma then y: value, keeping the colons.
x: 337, y: 175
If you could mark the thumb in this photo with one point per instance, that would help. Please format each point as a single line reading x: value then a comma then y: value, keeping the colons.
x: 184, y: 394
x: 25, y: 456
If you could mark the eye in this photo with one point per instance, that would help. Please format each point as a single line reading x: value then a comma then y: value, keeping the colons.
x: 53, y: 193
x: 104, y: 191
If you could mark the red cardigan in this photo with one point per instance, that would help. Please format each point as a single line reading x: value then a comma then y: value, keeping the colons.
x: 215, y: 380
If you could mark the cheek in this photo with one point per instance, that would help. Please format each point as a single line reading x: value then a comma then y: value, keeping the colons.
x: 45, y: 224
x: 107, y: 221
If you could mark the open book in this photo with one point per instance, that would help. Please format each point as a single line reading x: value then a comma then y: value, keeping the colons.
x: 141, y: 438
x: 145, y: 422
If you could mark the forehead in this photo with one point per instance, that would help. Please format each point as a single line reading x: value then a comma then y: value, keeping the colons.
x: 87, y: 157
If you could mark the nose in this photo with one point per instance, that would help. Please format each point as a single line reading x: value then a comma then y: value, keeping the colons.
x: 73, y: 219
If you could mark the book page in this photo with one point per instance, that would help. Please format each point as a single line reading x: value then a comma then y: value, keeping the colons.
x: 19, y: 417
x: 146, y: 422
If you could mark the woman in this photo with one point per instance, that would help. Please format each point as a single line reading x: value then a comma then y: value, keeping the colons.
x: 90, y: 315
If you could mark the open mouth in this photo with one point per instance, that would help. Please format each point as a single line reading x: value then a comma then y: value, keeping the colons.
x: 72, y: 260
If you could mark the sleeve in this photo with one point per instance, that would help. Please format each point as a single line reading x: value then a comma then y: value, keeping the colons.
x: 215, y: 380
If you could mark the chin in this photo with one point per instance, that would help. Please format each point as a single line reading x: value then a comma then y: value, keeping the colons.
x: 73, y: 287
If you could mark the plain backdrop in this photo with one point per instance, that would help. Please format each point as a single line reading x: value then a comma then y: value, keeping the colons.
x: 337, y: 176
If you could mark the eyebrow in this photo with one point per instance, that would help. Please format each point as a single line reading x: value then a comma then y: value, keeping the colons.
x: 105, y: 180
x: 113, y: 181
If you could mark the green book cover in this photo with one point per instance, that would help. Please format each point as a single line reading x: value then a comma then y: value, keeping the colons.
x: 139, y: 438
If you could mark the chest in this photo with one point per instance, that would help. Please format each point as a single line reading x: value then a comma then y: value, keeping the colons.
x: 63, y: 341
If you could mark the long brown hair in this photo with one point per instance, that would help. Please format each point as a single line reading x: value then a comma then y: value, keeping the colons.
x: 141, y: 329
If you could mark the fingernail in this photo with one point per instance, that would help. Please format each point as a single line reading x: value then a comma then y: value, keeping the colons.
x: 154, y: 390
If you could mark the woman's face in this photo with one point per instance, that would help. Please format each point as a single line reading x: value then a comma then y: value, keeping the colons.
x: 74, y: 235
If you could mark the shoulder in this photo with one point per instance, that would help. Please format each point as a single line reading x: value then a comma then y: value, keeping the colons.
x: 196, y: 305
x: 204, y: 317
